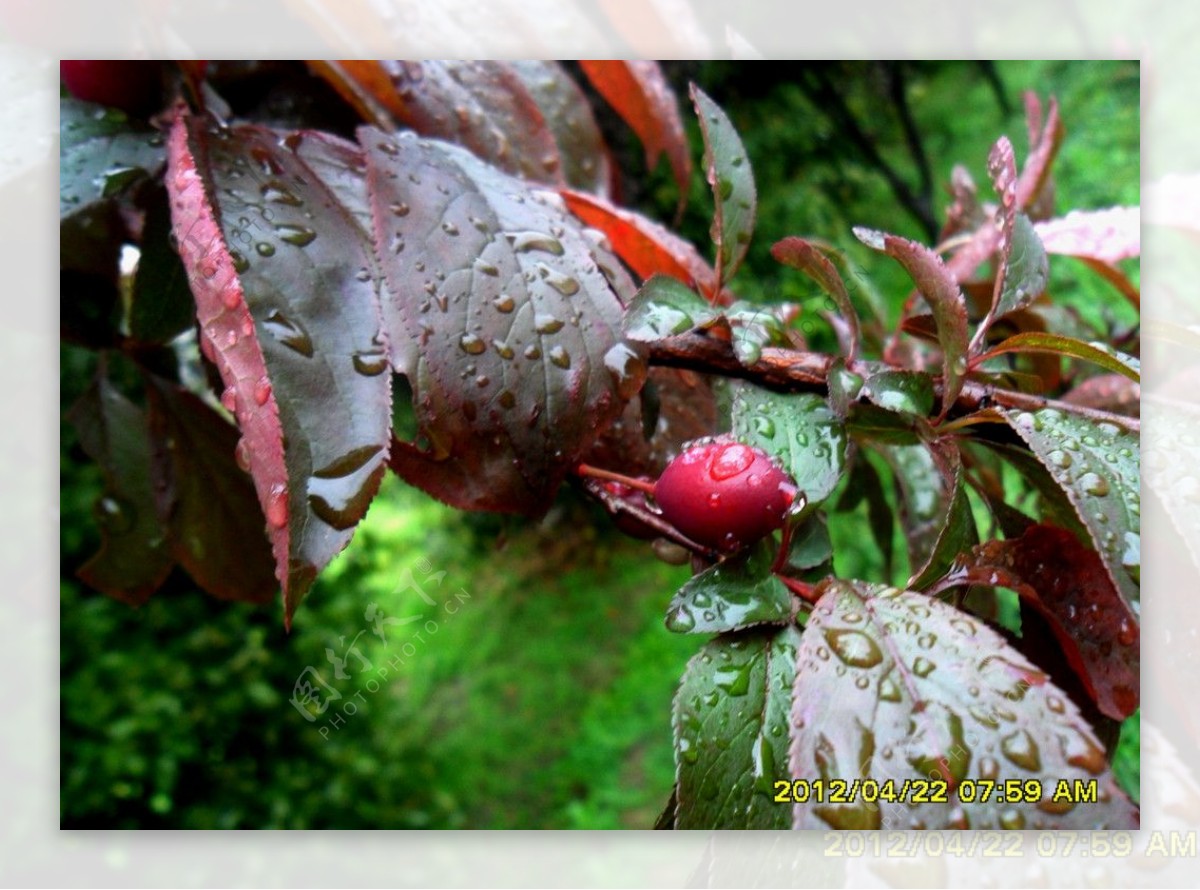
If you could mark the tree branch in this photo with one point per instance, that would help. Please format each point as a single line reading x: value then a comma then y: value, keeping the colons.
x: 792, y: 370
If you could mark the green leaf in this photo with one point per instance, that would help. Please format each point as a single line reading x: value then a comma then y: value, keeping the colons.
x: 933, y: 511
x: 100, y: 153
x: 1023, y: 267
x: 1026, y: 269
x: 1098, y: 465
x: 664, y: 307
x: 844, y: 386
x: 754, y: 327
x: 941, y: 291
x: 808, y: 258
x: 864, y: 484
x: 728, y: 171
x: 735, y: 593
x: 1055, y: 344
x: 799, y: 430
x: 896, y: 686
x: 161, y: 306
x: 905, y: 392
x: 730, y: 720
x: 811, y: 546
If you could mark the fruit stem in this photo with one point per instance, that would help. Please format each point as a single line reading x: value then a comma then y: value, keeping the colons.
x: 806, y: 592
x: 610, y: 476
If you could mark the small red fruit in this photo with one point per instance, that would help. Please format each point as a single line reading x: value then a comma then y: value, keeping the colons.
x: 724, y: 494
x: 132, y: 86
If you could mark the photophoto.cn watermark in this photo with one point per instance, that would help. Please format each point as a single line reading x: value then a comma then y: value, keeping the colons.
x: 320, y: 695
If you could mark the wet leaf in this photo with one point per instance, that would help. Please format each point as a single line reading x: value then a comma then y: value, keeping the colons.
x: 808, y: 258
x: 1068, y: 584
x: 569, y: 116
x: 207, y: 503
x: 1098, y: 466
x: 639, y: 93
x: 1105, y: 235
x: 937, y: 284
x: 727, y: 168
x: 798, y: 430
x: 1021, y: 260
x: 1107, y: 392
x: 506, y: 319
x: 1054, y: 344
x: 811, y: 547
x: 894, y: 685
x: 664, y: 307
x: 1034, y: 180
x: 730, y: 719
x: 133, y: 559
x: 737, y: 592
x: 288, y: 312
x: 642, y: 244
x: 753, y: 327
x: 905, y: 392
x: 485, y: 106
x: 101, y: 152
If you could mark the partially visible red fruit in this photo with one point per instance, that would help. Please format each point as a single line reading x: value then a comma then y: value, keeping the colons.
x: 724, y: 494
x: 132, y: 86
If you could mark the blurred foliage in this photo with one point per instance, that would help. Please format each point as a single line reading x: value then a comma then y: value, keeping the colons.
x: 544, y: 699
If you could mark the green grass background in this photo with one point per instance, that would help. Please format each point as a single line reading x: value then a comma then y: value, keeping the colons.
x: 543, y: 700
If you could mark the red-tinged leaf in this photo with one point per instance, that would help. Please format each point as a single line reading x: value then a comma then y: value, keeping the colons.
x: 1054, y: 344
x: 1106, y: 235
x: 1067, y: 583
x: 289, y: 314
x: 940, y: 290
x: 505, y: 317
x: 894, y: 685
x: 727, y: 168
x: 133, y: 559
x: 642, y: 244
x: 585, y: 160
x: 639, y: 93
x: 484, y: 106
x: 1108, y: 392
x: 811, y: 260
x: 1035, y: 175
x: 207, y: 503
x: 1098, y: 466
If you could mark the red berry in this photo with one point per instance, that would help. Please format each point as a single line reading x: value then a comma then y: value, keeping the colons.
x: 724, y: 494
x: 129, y: 85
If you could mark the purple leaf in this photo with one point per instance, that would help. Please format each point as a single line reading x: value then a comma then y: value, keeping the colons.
x: 1068, y: 584
x: 271, y: 227
x: 506, y: 318
x: 207, y: 503
x: 133, y: 559
x: 895, y: 686
x: 805, y: 256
